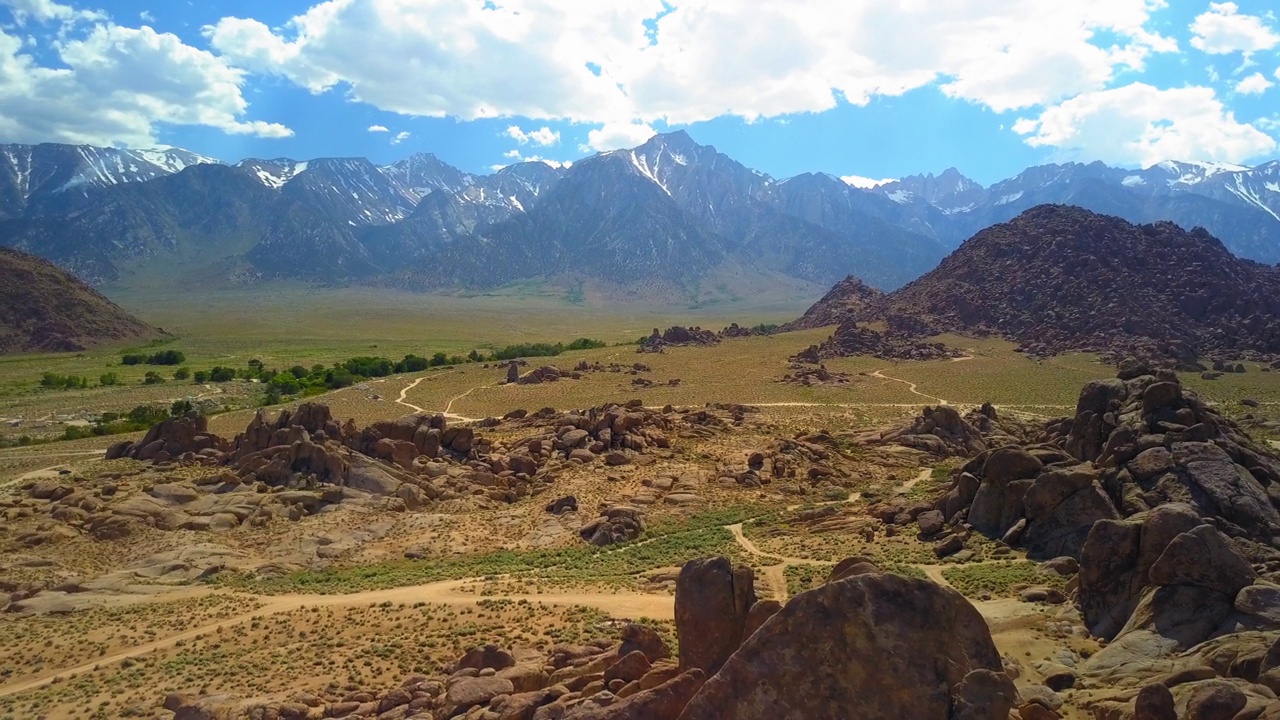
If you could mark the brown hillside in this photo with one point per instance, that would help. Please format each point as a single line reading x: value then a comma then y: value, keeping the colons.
x: 846, y: 301
x: 1059, y: 278
x: 45, y: 309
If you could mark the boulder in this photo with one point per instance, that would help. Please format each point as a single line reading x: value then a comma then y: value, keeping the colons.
x: 1203, y: 557
x: 713, y: 599
x: 854, y: 649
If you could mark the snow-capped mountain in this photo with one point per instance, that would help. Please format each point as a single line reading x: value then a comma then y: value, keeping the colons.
x: 273, y: 173
x: 668, y: 214
x: 1239, y: 205
x: 31, y: 174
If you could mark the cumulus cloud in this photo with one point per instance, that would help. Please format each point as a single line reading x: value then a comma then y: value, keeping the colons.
x: 613, y: 136
x: 1141, y: 124
x: 400, y: 137
x: 865, y: 183
x: 47, y: 10
x: 543, y: 136
x: 595, y: 63
x: 1222, y: 30
x: 116, y: 86
x: 378, y: 129
x: 1255, y: 84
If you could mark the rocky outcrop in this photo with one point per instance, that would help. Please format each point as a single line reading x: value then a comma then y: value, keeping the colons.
x: 1059, y: 278
x: 616, y: 524
x: 802, y: 374
x: 868, y: 646
x: 677, y: 336
x: 848, y: 301
x: 938, y: 431
x: 171, y: 439
x: 713, y: 600
x: 852, y: 339
x: 1133, y: 446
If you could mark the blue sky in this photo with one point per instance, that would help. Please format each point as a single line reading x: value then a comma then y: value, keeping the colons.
x: 867, y: 89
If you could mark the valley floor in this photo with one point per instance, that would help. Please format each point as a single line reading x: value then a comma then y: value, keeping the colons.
x: 361, y: 597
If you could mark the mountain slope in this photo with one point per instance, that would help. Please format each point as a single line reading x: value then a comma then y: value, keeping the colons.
x: 32, y: 175
x: 1061, y: 278
x: 45, y: 309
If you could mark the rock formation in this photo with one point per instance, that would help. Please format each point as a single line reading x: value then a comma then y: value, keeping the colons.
x: 677, y: 336
x: 1059, y: 278
x: 865, y: 644
x: 846, y: 302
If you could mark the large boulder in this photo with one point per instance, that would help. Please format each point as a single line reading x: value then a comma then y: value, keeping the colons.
x: 713, y: 600
x: 869, y: 646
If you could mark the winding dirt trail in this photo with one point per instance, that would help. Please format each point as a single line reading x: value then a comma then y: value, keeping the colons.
x: 448, y: 409
x: 446, y: 592
x: 911, y: 387
x: 405, y: 391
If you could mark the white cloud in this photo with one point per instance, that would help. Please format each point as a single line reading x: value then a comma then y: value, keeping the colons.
x: 378, y: 129
x: 146, y: 16
x: 865, y: 183
x: 594, y: 63
x: 46, y: 10
x: 543, y: 136
x: 1140, y: 124
x: 1223, y: 30
x: 516, y: 157
x: 613, y: 136
x: 1255, y: 84
x: 115, y: 86
x: 400, y: 137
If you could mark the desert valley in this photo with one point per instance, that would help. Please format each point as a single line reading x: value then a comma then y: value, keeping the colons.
x: 513, y: 360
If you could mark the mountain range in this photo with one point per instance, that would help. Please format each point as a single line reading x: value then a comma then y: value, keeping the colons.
x: 678, y: 219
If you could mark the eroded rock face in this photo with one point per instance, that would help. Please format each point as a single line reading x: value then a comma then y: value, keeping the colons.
x: 713, y: 601
x: 1133, y: 445
x: 868, y: 646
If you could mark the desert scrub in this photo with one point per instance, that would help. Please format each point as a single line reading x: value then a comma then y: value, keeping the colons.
x: 666, y: 544
x: 999, y: 578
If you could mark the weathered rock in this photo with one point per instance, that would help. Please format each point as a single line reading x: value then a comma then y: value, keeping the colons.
x: 1203, y: 557
x: 852, y: 648
x: 644, y: 639
x: 1154, y: 702
x: 1215, y: 700
x: 660, y: 703
x: 713, y: 599
x: 983, y: 695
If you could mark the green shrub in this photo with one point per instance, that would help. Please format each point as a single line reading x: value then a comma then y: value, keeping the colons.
x: 63, y: 382
x: 152, y: 378
x: 108, y: 379
x: 181, y: 373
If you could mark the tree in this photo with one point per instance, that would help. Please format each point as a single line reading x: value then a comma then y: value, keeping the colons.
x: 222, y: 374
x: 181, y: 373
x: 439, y: 359
x: 180, y: 408
x: 152, y: 378
x: 202, y: 376
x: 108, y: 379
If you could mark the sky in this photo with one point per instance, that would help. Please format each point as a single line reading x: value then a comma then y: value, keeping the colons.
x: 862, y: 89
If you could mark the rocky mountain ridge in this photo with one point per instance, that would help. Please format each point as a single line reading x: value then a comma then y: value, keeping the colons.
x: 669, y: 214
